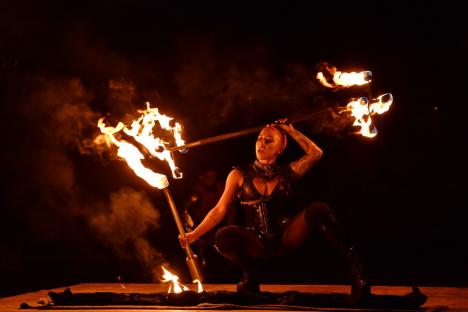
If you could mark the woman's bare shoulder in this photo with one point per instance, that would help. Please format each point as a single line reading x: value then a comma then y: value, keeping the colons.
x: 236, y: 176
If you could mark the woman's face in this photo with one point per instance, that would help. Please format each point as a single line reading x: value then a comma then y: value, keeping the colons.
x: 269, y: 145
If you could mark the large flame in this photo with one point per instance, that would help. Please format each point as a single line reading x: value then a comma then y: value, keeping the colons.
x: 343, y: 79
x: 176, y: 286
x: 362, y: 110
x: 141, y: 130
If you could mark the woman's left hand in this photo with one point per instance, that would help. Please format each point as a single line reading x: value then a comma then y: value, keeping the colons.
x: 186, y: 239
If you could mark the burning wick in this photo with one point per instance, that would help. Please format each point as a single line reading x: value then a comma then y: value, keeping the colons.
x: 176, y: 287
x: 362, y: 110
x: 142, y: 130
x: 342, y: 79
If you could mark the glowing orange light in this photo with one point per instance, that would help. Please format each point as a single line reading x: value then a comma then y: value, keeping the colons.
x: 343, y: 79
x: 141, y: 130
x: 199, y: 286
x: 176, y: 286
x: 362, y: 112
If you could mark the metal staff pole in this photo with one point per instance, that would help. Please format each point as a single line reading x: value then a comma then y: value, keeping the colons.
x: 192, y: 259
x: 236, y: 134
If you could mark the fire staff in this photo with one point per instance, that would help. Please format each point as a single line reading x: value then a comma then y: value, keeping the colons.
x: 265, y: 228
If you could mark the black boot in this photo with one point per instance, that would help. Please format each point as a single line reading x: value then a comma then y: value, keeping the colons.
x: 360, y: 288
x: 249, y: 282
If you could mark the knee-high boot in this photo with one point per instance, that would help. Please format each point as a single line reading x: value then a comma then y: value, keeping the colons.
x: 321, y: 216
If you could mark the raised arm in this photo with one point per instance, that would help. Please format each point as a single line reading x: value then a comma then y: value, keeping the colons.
x: 312, y: 152
x: 216, y: 215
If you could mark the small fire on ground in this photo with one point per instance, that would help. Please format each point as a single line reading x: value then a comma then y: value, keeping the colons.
x: 175, y: 286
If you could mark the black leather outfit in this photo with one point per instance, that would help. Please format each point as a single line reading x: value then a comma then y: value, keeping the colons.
x: 266, y: 217
x: 265, y: 214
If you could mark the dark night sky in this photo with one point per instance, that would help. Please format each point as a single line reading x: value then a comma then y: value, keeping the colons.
x: 70, y: 214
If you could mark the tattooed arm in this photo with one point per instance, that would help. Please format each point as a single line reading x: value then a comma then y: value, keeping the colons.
x: 312, y: 152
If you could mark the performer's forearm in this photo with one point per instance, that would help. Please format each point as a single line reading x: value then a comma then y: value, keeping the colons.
x: 312, y: 152
x: 309, y: 147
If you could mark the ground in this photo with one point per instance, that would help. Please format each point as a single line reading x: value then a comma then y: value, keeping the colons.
x: 439, y: 298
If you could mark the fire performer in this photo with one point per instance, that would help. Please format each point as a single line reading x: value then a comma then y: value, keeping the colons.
x: 263, y: 229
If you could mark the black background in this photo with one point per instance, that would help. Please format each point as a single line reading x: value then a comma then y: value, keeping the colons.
x: 220, y: 67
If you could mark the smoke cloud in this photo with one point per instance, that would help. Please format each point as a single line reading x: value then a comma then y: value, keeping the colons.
x: 123, y: 226
x: 225, y: 82
x: 51, y: 184
x: 47, y: 125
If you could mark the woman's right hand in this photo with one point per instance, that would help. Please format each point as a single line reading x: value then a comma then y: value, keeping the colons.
x: 188, y: 238
x: 284, y: 124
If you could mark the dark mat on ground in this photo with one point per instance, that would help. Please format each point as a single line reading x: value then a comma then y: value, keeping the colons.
x: 413, y: 300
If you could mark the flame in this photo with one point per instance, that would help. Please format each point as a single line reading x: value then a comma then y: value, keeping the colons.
x: 362, y: 111
x: 142, y: 131
x: 382, y: 105
x: 176, y: 287
x: 199, y: 285
x: 343, y: 79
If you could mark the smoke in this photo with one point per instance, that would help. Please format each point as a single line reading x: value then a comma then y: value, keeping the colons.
x: 46, y: 125
x: 53, y: 192
x: 222, y: 82
x: 58, y: 113
x: 224, y: 86
x: 123, y: 226
x: 120, y: 103
x: 333, y: 122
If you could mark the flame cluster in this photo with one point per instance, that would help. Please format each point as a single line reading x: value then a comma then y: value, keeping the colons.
x: 361, y: 109
x: 142, y: 131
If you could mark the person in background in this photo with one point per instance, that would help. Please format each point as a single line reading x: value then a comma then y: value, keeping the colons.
x: 204, y: 196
